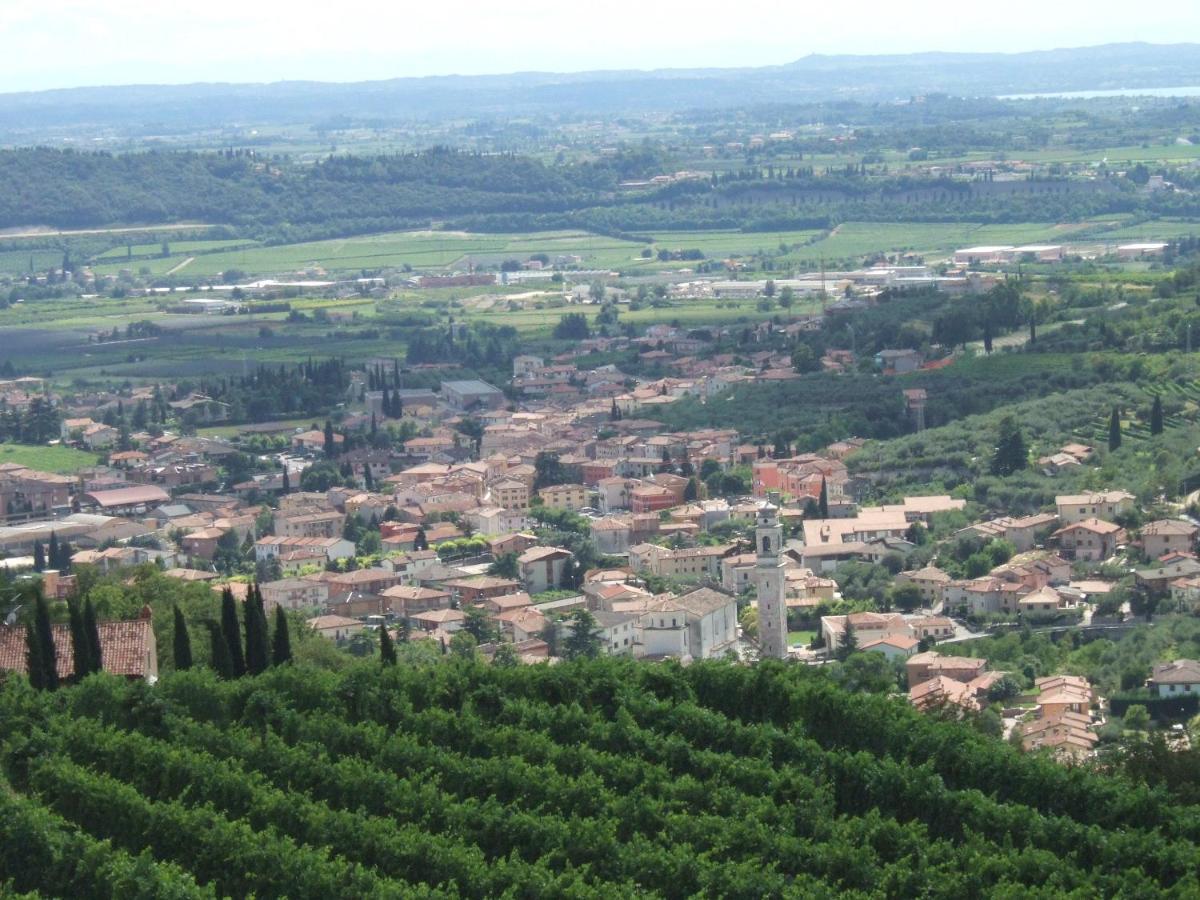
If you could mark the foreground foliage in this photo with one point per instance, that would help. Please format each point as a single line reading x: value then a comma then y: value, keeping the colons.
x: 596, y: 778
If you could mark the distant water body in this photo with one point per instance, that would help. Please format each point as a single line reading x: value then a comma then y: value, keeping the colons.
x: 1191, y: 91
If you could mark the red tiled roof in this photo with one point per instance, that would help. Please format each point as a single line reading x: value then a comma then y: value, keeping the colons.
x: 125, y: 648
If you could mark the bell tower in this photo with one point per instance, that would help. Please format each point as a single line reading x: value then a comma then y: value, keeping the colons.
x: 772, y: 605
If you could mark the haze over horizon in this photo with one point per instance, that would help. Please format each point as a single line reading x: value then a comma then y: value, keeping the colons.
x: 136, y: 42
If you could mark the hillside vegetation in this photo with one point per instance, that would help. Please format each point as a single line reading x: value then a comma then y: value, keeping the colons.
x: 593, y: 779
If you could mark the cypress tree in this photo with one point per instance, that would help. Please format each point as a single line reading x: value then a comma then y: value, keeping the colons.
x: 221, y: 662
x: 823, y: 501
x: 183, y: 643
x: 39, y: 557
x: 33, y: 659
x: 257, y: 644
x: 1156, y: 416
x: 421, y: 542
x: 287, y: 482
x: 92, y: 629
x: 386, y: 404
x: 54, y: 554
x: 387, y: 650
x: 232, y: 633
x: 1114, y: 430
x: 80, y: 646
x: 330, y: 441
x: 281, y: 647
x: 44, y: 635
x: 368, y: 478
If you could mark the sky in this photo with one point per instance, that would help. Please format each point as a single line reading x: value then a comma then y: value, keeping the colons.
x: 70, y: 43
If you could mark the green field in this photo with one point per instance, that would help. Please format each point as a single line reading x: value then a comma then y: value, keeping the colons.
x: 177, y: 248
x: 801, y: 637
x: 46, y: 459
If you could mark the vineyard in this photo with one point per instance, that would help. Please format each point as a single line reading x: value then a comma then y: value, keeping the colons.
x: 593, y: 779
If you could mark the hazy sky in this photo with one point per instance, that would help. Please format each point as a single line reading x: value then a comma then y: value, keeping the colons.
x: 65, y: 43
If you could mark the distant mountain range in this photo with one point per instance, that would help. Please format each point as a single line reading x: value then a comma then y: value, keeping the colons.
x: 811, y: 79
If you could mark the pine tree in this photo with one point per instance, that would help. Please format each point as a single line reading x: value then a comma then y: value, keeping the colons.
x: 1114, y: 430
x: 387, y: 650
x: 232, y: 633
x: 1011, y: 453
x: 79, y: 642
x: 92, y: 628
x: 182, y: 643
x: 281, y: 646
x: 44, y: 634
x: 39, y: 557
x: 823, y: 500
x: 221, y: 662
x: 1156, y: 416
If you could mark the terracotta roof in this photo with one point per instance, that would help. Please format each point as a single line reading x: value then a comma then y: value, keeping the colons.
x: 125, y: 648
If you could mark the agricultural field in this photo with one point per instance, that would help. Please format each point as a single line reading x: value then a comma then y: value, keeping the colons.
x: 46, y: 459
x: 598, y: 779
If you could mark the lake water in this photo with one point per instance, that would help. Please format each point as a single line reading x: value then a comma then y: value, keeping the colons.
x: 1188, y: 91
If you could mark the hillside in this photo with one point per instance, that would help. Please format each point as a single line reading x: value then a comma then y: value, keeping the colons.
x: 816, y: 77
x: 583, y: 779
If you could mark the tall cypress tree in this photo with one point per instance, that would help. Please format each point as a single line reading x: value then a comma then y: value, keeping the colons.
x: 1114, y: 430
x: 387, y: 650
x: 44, y: 635
x: 287, y: 481
x: 92, y: 628
x: 823, y: 501
x: 330, y: 441
x: 1156, y: 416
x: 54, y: 555
x: 233, y: 633
x: 80, y: 646
x: 39, y: 557
x: 221, y: 662
x: 33, y: 659
x: 281, y: 642
x: 182, y: 643
x: 257, y: 644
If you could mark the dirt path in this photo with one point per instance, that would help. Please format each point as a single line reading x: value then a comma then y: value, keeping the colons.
x: 174, y: 269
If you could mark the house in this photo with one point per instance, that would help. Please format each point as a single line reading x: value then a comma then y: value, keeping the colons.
x: 612, y: 534
x: 293, y: 594
x: 1165, y: 535
x: 99, y: 436
x: 867, y: 628
x: 930, y: 581
x: 541, y: 568
x: 711, y: 620
x: 618, y: 632
x: 477, y: 588
x: 327, y: 549
x: 564, y: 496
x: 406, y: 600
x: 314, y: 441
x: 202, y: 543
x: 1067, y: 734
x: 447, y: 620
x: 127, y: 648
x: 335, y: 628
x: 1058, y: 694
x: 898, y: 362
x: 510, y: 494
x: 1101, y: 505
x: 896, y: 646
x: 1175, y: 678
x: 924, y: 666
x: 1158, y: 579
x: 1090, y: 539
